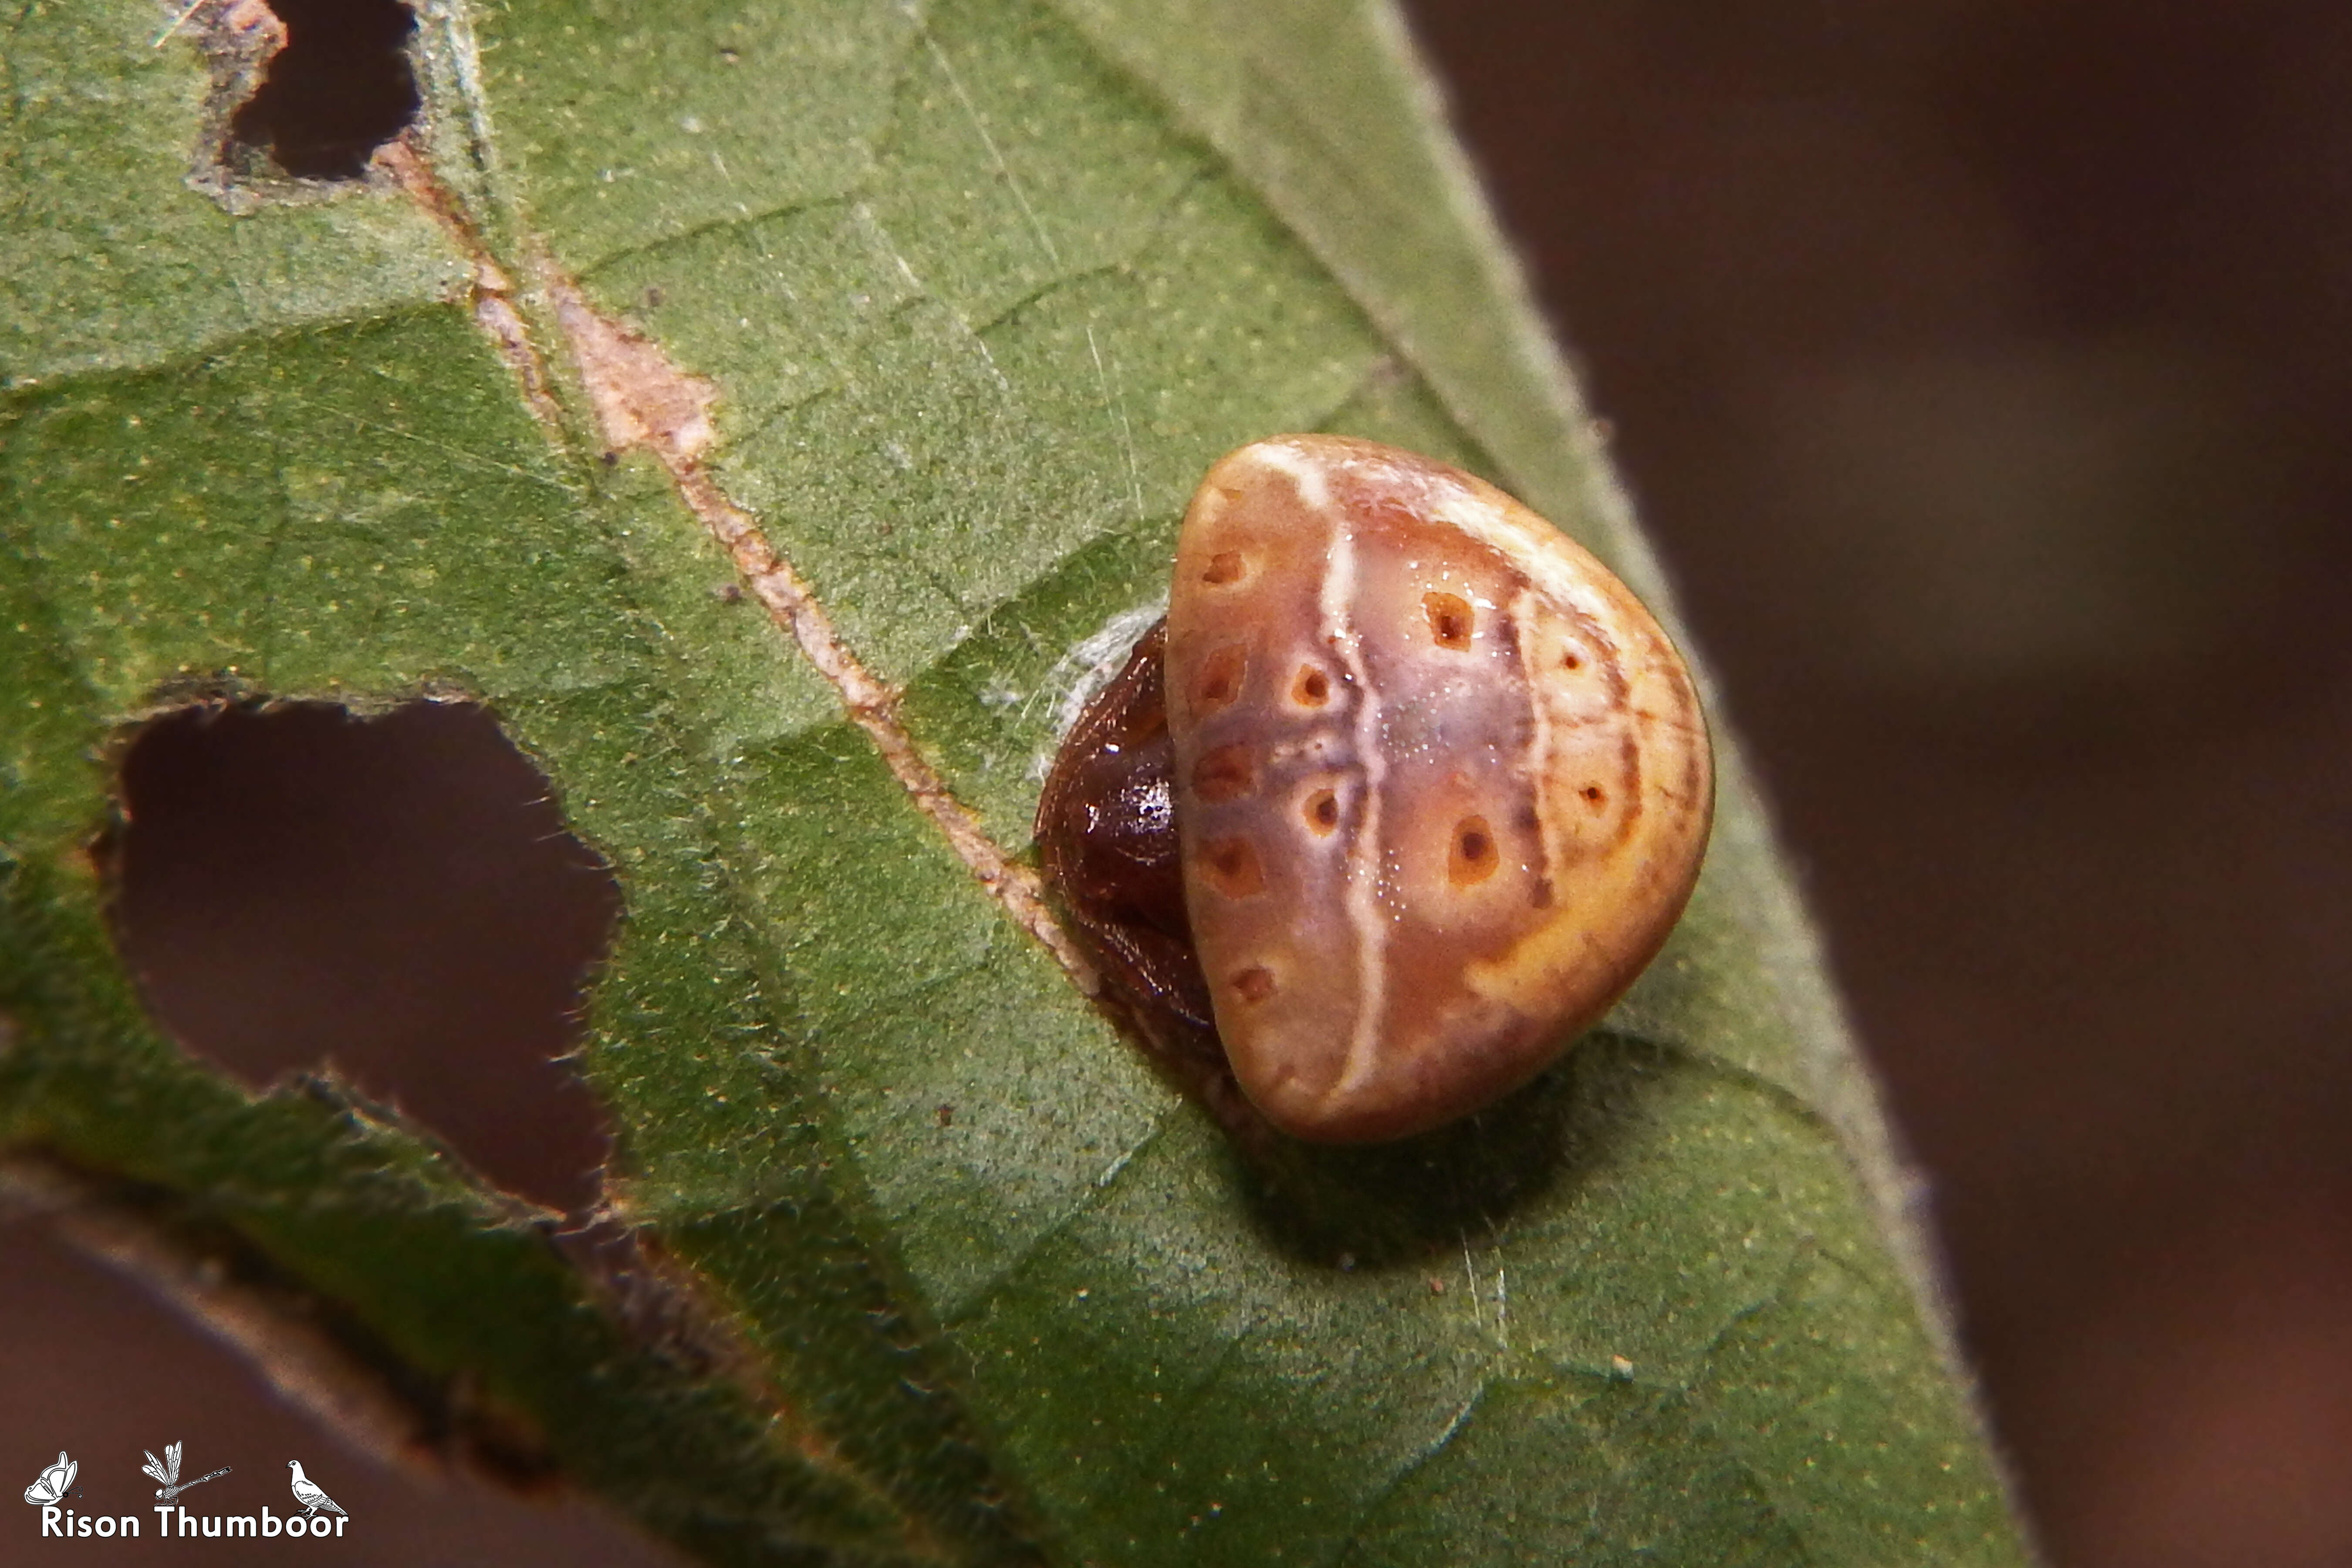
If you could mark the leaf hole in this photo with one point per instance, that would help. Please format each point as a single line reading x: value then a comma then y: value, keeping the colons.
x: 341, y: 87
x: 1321, y: 811
x: 393, y: 902
x: 1313, y: 687
x: 1594, y: 795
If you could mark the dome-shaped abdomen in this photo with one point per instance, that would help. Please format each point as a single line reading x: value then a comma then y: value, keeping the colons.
x: 1441, y: 783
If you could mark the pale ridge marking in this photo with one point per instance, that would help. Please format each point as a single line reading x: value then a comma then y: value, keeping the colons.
x: 1335, y: 593
x: 1536, y: 763
x: 1306, y: 477
x: 1334, y: 597
x: 1532, y: 551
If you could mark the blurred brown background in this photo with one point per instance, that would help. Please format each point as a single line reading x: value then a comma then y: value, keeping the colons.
x: 1983, y: 368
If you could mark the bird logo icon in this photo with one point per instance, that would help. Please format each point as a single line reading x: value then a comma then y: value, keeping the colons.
x: 55, y: 1482
x: 167, y: 1470
x: 307, y: 1493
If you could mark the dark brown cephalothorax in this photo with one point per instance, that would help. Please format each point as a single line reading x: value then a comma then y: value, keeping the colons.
x: 1405, y: 794
x: 1107, y: 837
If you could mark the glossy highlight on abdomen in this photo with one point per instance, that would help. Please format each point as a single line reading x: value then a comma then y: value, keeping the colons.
x: 1473, y: 838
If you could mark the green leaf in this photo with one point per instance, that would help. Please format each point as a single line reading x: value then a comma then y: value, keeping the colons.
x: 974, y: 291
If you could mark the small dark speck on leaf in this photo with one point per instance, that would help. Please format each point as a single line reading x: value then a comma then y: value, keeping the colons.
x: 947, y: 1115
x: 610, y: 459
x: 728, y: 593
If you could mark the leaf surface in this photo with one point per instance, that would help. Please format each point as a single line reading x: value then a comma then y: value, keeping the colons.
x: 977, y: 290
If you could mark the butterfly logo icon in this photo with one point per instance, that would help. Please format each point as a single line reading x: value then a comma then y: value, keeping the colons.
x: 55, y: 1482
